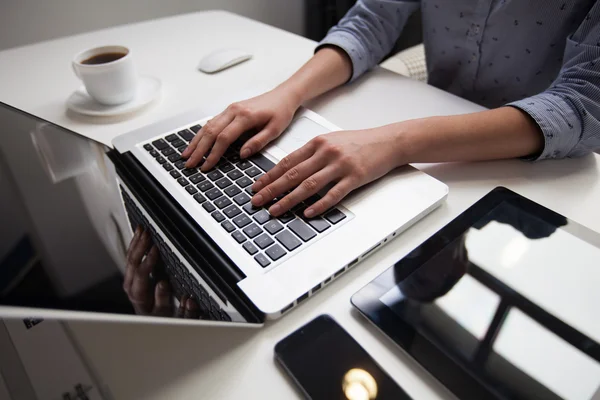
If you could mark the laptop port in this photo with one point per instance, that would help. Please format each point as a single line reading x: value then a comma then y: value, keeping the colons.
x: 316, y: 288
x: 370, y: 250
x: 287, y: 308
x: 341, y: 271
x: 353, y: 262
x: 303, y: 297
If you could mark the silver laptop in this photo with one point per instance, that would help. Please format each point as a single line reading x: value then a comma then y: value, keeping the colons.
x: 238, y: 265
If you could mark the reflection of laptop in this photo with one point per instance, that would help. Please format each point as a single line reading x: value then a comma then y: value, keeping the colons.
x: 267, y: 265
x: 238, y: 263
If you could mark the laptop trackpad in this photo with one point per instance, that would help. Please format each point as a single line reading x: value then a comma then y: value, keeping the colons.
x: 299, y: 133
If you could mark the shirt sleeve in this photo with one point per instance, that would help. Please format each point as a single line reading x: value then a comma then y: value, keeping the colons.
x: 568, y: 113
x: 369, y: 30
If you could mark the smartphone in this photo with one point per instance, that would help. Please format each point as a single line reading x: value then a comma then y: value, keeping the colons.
x: 327, y: 363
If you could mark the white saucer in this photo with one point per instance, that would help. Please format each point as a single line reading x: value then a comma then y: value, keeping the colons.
x: 148, y: 89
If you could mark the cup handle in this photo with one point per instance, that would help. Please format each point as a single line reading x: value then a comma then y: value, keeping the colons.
x: 75, y: 70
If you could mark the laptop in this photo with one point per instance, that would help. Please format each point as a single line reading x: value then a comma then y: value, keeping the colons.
x: 252, y: 265
x: 239, y: 265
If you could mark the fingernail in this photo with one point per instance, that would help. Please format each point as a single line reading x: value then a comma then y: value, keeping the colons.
x: 162, y: 285
x: 185, y: 152
x: 309, y: 213
x: 275, y: 209
x: 245, y: 153
x: 258, y: 199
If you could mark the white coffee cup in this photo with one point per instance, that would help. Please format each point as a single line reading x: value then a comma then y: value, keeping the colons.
x: 111, y: 82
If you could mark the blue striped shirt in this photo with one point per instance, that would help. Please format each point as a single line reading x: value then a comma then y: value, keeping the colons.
x: 541, y: 56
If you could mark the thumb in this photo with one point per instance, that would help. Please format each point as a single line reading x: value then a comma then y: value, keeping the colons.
x: 255, y: 144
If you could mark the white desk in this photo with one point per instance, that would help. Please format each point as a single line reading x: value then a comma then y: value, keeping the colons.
x: 190, y: 363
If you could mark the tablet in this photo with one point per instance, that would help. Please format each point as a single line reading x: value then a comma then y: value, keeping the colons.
x: 501, y: 303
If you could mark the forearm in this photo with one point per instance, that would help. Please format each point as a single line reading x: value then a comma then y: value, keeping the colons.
x: 330, y: 67
x: 501, y: 133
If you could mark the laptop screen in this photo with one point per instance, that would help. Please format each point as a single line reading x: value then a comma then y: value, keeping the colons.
x: 65, y: 248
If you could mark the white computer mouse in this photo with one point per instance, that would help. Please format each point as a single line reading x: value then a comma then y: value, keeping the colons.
x: 221, y: 59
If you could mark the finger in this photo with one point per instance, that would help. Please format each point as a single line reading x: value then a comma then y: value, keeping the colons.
x: 140, y: 287
x: 194, y: 143
x: 229, y: 134
x: 209, y: 133
x: 290, y: 180
x: 129, y: 268
x: 307, y: 188
x: 181, y: 309
x: 333, y: 196
x: 260, y: 140
x: 135, y: 238
x: 291, y: 160
x: 139, y: 249
x: 163, y: 301
x: 192, y: 311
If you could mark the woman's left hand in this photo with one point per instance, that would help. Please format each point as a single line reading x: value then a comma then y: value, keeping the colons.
x: 349, y: 159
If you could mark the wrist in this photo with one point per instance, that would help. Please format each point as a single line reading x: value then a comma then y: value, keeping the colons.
x: 294, y: 94
x: 407, y: 141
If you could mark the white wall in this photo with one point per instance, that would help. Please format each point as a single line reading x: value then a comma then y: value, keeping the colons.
x: 28, y: 21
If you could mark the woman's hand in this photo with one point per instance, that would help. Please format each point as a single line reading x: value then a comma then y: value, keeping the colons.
x: 269, y: 113
x: 349, y: 159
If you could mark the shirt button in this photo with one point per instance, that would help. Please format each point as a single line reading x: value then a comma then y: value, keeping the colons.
x: 473, y: 57
x: 476, y: 29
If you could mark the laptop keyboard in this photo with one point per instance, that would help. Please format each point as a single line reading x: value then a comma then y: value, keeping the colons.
x: 225, y: 192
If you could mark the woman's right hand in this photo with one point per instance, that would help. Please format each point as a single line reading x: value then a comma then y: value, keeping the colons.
x: 270, y: 114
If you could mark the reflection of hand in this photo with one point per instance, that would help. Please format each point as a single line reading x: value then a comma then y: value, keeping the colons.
x: 348, y: 159
x: 270, y: 113
x: 146, y: 297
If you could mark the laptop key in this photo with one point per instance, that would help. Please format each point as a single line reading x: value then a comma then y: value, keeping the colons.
x: 257, y: 177
x: 302, y: 230
x: 187, y: 135
x: 172, y: 137
x: 250, y: 191
x: 204, y: 186
x: 214, y: 175
x: 182, y: 181
x: 231, y: 211
x: 318, y: 224
x: 235, y: 157
x: 286, y: 217
x: 334, y: 216
x: 160, y: 160
x: 263, y: 162
x: 195, y: 128
x: 191, y: 189
x: 241, y: 199
x: 226, y: 167
x: 222, y: 202
x: 252, y: 230
x: 244, y: 164
x: 167, y: 152
x: 160, y: 144
x: 178, y: 143
x: 228, y: 226
x: 180, y: 164
x: 174, y: 157
x: 239, y: 236
x: 154, y: 153
x: 275, y: 252
x: 208, y: 206
x: 196, y: 179
x: 218, y: 216
x: 181, y: 149
x: 244, y: 181
x: 167, y: 166
x: 199, y: 198
x: 262, y: 216
x: 175, y: 174
x: 148, y: 147
x: 253, y: 171
x: 189, y: 171
x: 223, y: 183
x: 241, y: 220
x: 250, y: 209
x: 273, y: 227
x: 263, y: 241
x: 250, y: 248
x: 235, y: 174
x: 214, y: 193
x: 287, y: 239
x: 262, y: 260
x: 232, y: 191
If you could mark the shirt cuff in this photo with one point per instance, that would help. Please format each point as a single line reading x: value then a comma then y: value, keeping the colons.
x: 558, y: 120
x: 353, y: 48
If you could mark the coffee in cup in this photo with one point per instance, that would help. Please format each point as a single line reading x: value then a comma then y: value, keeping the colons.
x: 108, y: 73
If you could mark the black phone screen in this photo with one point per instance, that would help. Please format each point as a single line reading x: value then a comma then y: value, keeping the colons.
x: 327, y: 363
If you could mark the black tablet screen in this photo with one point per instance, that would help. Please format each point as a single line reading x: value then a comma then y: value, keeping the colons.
x: 505, y: 306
